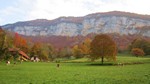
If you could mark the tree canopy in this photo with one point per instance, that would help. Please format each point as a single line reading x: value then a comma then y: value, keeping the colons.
x: 141, y: 44
x: 5, y: 43
x: 85, y: 46
x: 137, y: 52
x: 102, y: 46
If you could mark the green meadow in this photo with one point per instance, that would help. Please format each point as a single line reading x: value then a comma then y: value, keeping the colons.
x: 127, y: 70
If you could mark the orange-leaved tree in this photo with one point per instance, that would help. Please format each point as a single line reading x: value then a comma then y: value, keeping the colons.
x: 85, y: 46
x: 141, y: 43
x: 102, y: 46
x: 137, y: 52
x: 77, y: 52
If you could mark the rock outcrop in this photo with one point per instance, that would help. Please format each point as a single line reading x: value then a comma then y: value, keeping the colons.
x: 122, y: 23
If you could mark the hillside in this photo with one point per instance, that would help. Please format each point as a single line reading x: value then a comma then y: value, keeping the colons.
x: 64, y: 41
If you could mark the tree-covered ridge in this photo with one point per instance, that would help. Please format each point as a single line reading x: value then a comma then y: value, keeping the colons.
x: 91, y: 46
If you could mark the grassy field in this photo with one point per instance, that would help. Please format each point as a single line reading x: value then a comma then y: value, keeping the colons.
x: 79, y: 71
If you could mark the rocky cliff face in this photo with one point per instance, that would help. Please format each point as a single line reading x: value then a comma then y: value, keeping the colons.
x: 111, y: 22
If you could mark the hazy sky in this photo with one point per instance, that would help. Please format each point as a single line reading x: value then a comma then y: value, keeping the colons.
x: 22, y: 10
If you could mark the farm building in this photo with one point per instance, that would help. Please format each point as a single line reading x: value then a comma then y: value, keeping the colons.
x: 22, y: 56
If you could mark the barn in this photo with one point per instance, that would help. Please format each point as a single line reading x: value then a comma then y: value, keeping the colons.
x: 22, y: 55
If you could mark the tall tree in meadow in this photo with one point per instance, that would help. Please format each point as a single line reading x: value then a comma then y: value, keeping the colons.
x: 102, y: 46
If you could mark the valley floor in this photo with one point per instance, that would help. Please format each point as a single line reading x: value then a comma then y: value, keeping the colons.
x: 77, y: 72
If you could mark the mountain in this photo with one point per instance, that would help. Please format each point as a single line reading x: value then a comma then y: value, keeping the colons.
x: 122, y: 23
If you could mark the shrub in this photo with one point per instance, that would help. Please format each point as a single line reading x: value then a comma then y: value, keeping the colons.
x: 142, y: 44
x: 137, y: 52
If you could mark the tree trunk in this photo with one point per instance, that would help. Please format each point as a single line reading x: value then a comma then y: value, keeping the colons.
x: 102, y: 59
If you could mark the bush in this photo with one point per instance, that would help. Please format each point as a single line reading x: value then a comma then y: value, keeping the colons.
x: 142, y: 44
x: 137, y: 52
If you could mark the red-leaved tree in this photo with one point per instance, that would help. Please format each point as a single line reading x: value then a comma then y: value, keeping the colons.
x: 20, y: 42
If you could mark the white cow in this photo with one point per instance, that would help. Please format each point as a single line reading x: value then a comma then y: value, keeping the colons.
x: 8, y: 62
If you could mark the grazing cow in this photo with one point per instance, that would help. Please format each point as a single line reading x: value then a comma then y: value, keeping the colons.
x: 8, y: 62
x: 120, y: 64
x: 35, y: 59
x: 58, y: 65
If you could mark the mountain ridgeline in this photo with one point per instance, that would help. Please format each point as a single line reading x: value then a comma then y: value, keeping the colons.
x: 122, y: 23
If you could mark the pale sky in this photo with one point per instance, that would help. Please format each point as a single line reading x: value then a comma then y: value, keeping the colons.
x: 12, y: 11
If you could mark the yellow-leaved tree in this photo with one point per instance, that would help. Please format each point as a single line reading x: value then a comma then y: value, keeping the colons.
x: 85, y: 46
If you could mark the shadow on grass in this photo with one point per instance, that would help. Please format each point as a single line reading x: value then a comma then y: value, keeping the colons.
x: 99, y: 64
x: 111, y: 64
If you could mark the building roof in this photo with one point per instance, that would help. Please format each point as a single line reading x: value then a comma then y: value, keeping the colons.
x: 13, y: 49
x: 23, y: 54
x: 19, y: 51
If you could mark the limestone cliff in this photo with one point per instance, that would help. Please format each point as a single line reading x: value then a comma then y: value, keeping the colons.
x: 122, y: 23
